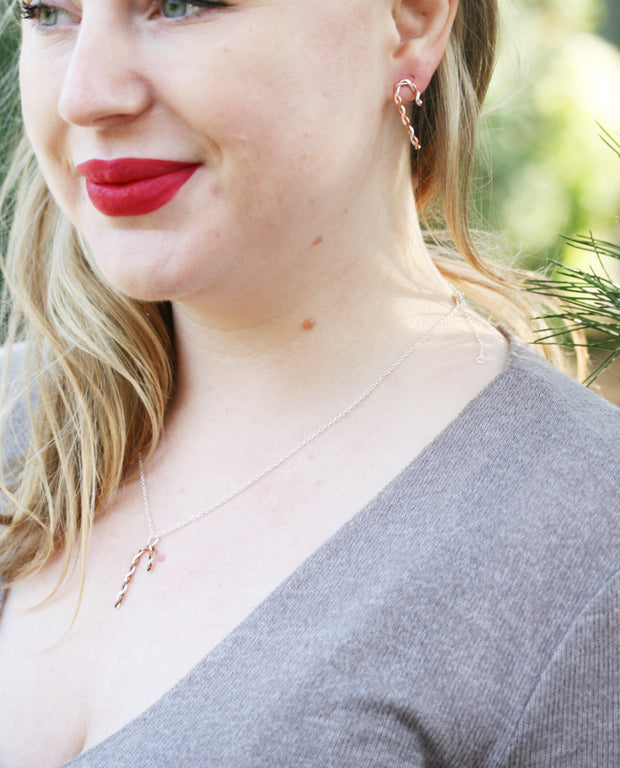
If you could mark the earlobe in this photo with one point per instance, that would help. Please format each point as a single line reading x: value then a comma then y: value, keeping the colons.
x: 424, y: 29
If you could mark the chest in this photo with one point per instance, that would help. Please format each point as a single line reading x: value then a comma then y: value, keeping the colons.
x: 345, y: 663
x: 79, y: 684
x: 210, y: 580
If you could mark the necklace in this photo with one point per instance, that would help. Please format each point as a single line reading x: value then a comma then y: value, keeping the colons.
x: 155, y: 536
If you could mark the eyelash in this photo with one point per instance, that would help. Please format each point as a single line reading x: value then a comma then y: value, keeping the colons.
x: 30, y: 11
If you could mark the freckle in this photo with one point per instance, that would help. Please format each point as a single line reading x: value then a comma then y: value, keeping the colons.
x: 308, y: 324
x: 318, y: 240
x: 161, y: 558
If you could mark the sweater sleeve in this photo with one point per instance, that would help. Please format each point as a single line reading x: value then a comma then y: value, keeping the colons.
x: 572, y: 718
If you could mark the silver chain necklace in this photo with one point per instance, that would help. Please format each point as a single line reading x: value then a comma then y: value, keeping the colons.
x: 155, y: 536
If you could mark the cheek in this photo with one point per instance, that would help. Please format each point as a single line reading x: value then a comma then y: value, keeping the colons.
x: 33, y: 107
x: 40, y: 83
x: 282, y: 74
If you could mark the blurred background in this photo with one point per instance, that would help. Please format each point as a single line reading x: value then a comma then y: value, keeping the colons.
x: 546, y: 172
x: 558, y: 75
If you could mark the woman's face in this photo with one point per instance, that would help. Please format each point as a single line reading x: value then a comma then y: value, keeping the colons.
x: 266, y: 114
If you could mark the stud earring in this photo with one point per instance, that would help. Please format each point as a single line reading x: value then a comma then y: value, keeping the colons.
x: 417, y: 97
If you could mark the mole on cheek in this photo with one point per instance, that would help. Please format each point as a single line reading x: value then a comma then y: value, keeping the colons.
x: 308, y: 324
x: 318, y: 240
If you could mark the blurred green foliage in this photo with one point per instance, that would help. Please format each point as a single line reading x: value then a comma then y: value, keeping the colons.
x: 550, y: 172
x: 9, y: 42
x: 9, y: 102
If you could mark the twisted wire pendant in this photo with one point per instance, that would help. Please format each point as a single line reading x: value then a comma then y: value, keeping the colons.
x: 151, y: 549
x: 402, y: 111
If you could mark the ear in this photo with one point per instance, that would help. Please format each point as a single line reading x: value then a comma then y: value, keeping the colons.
x: 423, y: 27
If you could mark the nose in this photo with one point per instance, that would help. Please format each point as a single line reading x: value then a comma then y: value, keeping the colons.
x: 102, y: 82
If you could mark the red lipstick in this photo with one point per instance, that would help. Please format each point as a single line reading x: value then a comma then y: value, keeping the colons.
x: 131, y: 186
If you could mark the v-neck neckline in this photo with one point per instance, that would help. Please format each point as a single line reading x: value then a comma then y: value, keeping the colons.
x: 324, y: 552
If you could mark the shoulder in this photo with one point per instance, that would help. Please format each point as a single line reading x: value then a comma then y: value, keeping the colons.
x: 555, y: 397
x: 532, y: 434
x: 551, y: 450
x: 559, y: 443
x: 520, y: 495
x: 550, y: 434
x: 512, y: 519
x: 525, y: 483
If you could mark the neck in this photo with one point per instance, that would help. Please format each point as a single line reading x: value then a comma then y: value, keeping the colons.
x: 315, y: 349
x: 306, y: 326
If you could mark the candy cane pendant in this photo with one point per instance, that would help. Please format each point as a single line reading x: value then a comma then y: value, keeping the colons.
x: 150, y: 548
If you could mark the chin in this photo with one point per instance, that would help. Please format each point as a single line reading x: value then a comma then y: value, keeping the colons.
x: 152, y: 266
x: 153, y: 281
x: 140, y: 273
x: 142, y: 287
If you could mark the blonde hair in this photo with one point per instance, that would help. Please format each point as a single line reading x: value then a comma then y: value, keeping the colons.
x: 98, y: 372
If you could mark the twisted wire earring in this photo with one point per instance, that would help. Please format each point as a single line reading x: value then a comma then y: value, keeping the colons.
x: 417, y: 97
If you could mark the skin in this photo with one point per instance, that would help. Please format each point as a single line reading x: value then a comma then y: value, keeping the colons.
x: 261, y: 118
x: 302, y: 210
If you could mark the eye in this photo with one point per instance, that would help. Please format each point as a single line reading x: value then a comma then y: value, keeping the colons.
x: 178, y: 9
x: 173, y: 9
x: 44, y: 16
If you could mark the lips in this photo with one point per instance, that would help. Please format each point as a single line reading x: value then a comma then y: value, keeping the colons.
x: 133, y: 186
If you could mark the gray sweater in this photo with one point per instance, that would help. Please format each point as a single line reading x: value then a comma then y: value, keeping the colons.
x: 468, y: 616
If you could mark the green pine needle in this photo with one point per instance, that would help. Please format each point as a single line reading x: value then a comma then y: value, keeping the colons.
x: 590, y: 300
x: 611, y: 141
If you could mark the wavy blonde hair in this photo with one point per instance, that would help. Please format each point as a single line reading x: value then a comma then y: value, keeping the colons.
x: 98, y: 372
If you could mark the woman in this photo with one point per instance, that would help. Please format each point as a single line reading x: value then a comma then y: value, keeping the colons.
x: 237, y: 339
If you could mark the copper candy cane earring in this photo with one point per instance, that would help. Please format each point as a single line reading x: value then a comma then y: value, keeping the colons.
x: 403, y: 112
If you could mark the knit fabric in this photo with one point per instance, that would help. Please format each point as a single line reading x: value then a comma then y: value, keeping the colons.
x: 469, y: 616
